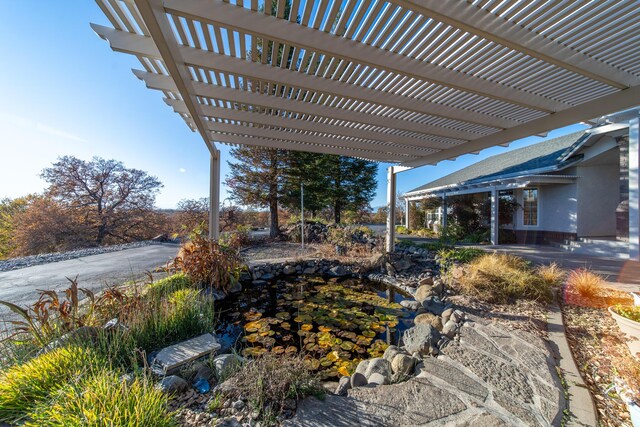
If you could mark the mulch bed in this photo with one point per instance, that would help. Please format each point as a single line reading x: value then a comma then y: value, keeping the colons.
x: 597, y: 343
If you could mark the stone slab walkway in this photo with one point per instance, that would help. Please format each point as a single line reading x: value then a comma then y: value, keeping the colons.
x: 491, y: 377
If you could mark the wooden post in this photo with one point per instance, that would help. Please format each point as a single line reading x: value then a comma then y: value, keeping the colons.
x: 214, y: 196
x: 391, y: 210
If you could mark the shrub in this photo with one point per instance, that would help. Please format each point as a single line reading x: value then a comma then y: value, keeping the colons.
x: 552, y: 274
x: 401, y: 229
x: 503, y: 278
x: 630, y: 312
x: 269, y: 380
x: 236, y: 239
x: 22, y: 387
x: 104, y: 399
x: 207, y: 263
x: 585, y: 282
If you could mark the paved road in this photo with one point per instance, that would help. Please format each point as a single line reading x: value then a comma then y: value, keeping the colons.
x: 94, y: 272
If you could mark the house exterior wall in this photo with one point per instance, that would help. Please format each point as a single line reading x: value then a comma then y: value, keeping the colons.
x: 598, y: 197
x: 557, y: 215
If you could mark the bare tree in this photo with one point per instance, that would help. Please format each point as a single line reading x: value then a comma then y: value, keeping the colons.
x: 114, y: 199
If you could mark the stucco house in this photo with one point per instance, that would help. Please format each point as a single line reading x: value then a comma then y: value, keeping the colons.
x: 572, y: 191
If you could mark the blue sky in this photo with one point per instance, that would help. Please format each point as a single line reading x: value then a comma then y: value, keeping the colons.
x: 66, y: 93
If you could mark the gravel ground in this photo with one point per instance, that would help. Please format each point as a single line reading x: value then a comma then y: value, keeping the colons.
x: 29, y: 261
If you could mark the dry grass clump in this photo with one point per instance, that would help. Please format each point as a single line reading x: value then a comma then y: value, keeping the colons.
x: 585, y: 282
x: 268, y: 381
x: 552, y: 273
x: 503, y: 278
x: 207, y: 263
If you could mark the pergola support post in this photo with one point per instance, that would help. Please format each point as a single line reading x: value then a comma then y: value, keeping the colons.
x: 494, y: 216
x: 406, y: 214
x: 391, y: 210
x: 634, y: 189
x: 443, y: 213
x: 214, y: 196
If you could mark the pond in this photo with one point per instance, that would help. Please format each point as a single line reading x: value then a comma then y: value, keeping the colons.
x: 334, y: 323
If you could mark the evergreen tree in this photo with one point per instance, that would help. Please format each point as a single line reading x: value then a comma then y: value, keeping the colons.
x: 352, y: 184
x: 308, y: 169
x: 257, y: 179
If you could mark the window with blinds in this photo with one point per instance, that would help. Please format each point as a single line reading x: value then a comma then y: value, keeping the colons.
x: 530, y: 206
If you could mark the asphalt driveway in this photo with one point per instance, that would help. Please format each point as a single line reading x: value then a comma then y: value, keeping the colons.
x: 94, y: 272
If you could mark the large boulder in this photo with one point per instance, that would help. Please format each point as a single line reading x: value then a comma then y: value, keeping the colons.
x: 391, y: 352
x: 226, y: 364
x: 422, y: 339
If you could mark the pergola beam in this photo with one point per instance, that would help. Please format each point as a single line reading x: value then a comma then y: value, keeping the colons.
x: 604, y: 105
x: 226, y: 15
x: 306, y: 138
x: 482, y: 23
x: 122, y: 41
x: 296, y: 146
x: 208, y: 90
x: 308, y: 125
x: 160, y: 30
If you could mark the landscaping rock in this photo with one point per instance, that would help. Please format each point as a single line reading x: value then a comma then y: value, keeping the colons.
x: 410, y: 304
x: 343, y: 386
x: 429, y: 319
x: 172, y: 384
x: 309, y: 270
x: 402, y: 364
x: 358, y: 380
x: 450, y: 328
x: 226, y: 363
x: 378, y: 379
x: 238, y: 405
x: 438, y: 286
x: 424, y: 292
x: 204, y: 372
x: 427, y: 281
x: 446, y: 314
x: 236, y: 288
x: 289, y: 270
x: 339, y: 271
x: 172, y: 357
x: 378, y: 365
x: 391, y: 352
x: 421, y: 339
x: 267, y: 276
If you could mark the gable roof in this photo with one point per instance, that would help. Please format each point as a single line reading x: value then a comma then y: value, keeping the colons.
x: 542, y: 156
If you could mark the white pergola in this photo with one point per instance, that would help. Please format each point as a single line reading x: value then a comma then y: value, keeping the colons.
x: 406, y: 82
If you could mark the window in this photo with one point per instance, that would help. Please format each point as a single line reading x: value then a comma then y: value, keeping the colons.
x: 530, y: 206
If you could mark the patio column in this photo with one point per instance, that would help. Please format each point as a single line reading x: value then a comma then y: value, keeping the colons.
x: 214, y: 196
x: 494, y: 216
x: 634, y: 189
x: 443, y: 211
x: 406, y: 214
x: 391, y: 210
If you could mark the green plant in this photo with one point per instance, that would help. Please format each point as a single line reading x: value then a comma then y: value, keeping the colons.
x: 207, y: 263
x: 447, y: 256
x: 165, y: 320
x: 236, y: 239
x: 630, y: 312
x: 271, y: 379
x: 168, y: 285
x: 502, y: 278
x: 585, y: 282
x: 22, y: 387
x: 216, y: 403
x: 401, y: 229
x: 103, y: 399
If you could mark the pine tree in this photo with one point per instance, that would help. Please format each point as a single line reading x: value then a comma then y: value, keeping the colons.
x: 257, y: 179
x: 352, y: 184
x: 308, y: 169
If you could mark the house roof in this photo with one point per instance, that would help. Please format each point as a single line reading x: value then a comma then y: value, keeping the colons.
x: 543, y: 156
